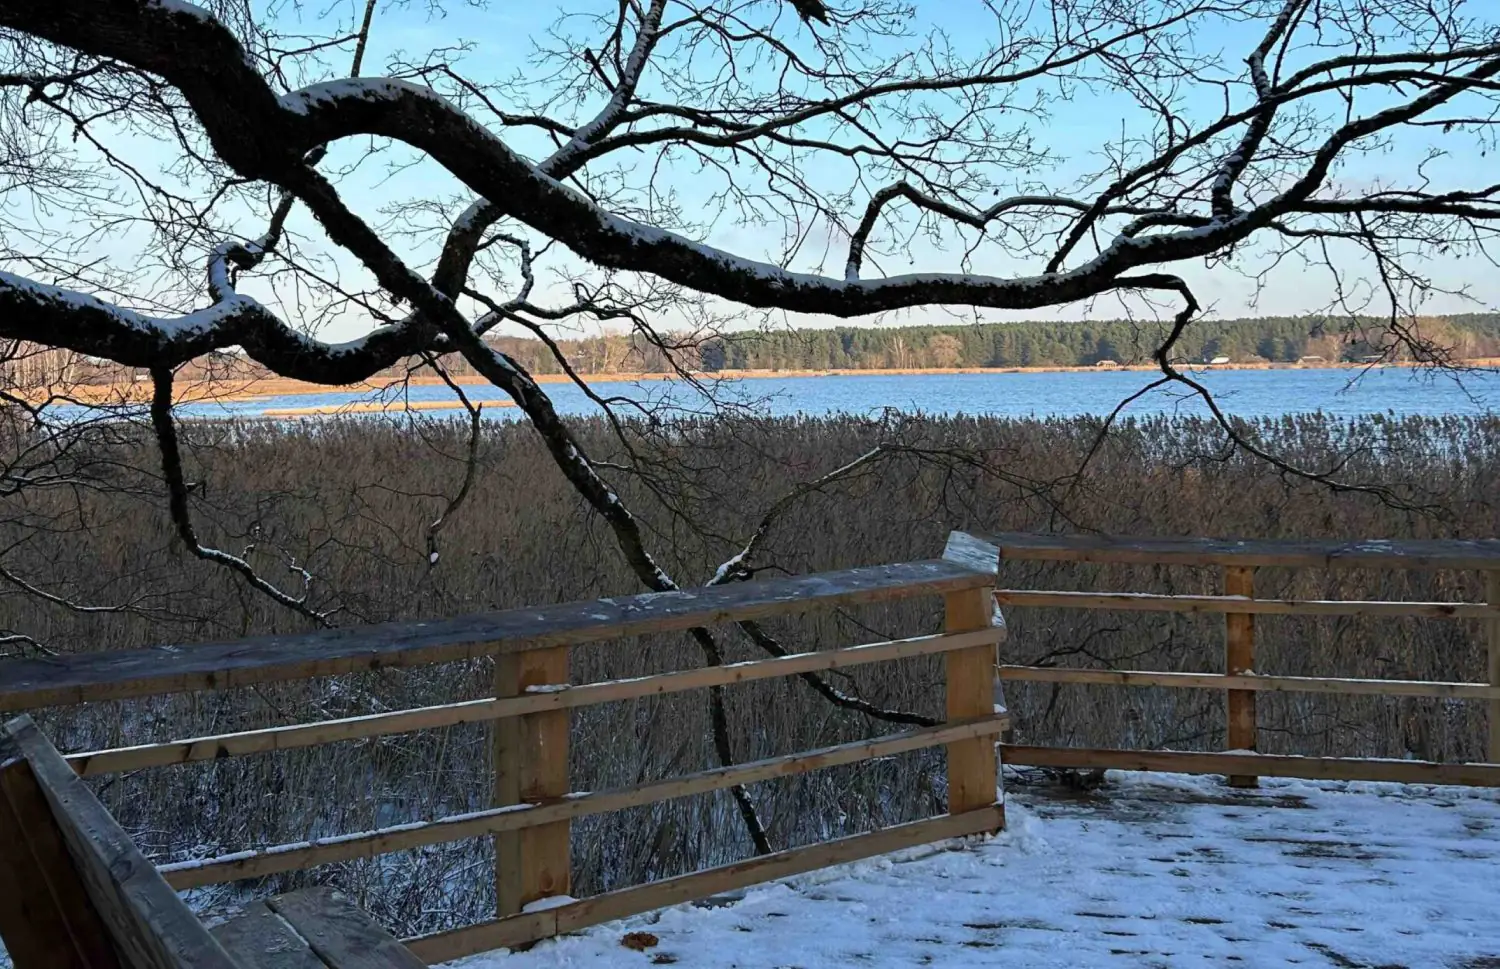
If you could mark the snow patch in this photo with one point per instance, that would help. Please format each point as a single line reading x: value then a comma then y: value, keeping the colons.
x: 550, y: 902
x: 197, y: 323
x: 306, y: 100
x: 1294, y: 873
x: 183, y: 7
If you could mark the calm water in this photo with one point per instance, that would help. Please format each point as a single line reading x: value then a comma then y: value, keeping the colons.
x: 1247, y: 393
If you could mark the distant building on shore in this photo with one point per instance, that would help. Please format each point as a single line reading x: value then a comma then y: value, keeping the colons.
x: 1217, y: 360
x: 1312, y: 359
x: 1106, y: 363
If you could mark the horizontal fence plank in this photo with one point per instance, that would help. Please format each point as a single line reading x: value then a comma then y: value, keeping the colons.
x: 1374, y: 554
x: 530, y: 926
x: 83, y: 677
x: 307, y: 854
x: 1266, y: 765
x: 1251, y: 681
x: 99, y: 762
x: 1144, y: 602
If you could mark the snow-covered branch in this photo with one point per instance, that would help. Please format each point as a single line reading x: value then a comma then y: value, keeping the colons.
x: 55, y: 316
x: 264, y: 136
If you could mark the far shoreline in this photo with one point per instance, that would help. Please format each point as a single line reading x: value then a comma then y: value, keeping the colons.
x: 243, y: 389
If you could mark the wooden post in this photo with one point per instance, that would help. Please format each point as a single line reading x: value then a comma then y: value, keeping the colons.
x: 46, y: 917
x: 972, y: 764
x: 531, y: 764
x: 1239, y: 656
x: 1492, y: 593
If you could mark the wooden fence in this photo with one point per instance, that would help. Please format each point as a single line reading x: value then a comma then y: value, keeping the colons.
x: 533, y: 802
x: 533, y: 805
x: 1240, y: 679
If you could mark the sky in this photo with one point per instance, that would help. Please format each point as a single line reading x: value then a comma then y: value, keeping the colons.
x: 501, y: 37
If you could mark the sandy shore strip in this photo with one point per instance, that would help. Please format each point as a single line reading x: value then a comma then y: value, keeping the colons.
x: 378, y: 407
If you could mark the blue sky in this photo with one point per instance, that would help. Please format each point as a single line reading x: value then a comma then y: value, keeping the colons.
x: 501, y: 35
x: 502, y: 32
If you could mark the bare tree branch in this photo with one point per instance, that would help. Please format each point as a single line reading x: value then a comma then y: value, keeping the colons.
x: 181, y: 513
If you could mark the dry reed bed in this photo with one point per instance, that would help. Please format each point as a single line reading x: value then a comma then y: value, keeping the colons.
x: 351, y: 500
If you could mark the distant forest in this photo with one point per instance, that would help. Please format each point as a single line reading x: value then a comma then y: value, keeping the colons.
x: 1027, y: 344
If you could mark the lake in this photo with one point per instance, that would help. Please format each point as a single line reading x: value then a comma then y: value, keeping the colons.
x: 1245, y: 393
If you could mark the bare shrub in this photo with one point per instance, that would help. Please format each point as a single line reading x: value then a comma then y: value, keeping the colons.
x: 350, y: 501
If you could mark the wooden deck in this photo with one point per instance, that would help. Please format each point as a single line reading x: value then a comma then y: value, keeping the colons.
x: 1293, y: 874
x: 1148, y: 871
x: 314, y: 928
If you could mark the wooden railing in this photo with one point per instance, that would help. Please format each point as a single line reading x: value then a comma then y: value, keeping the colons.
x: 533, y: 804
x: 533, y: 801
x: 1241, y: 680
x: 75, y: 891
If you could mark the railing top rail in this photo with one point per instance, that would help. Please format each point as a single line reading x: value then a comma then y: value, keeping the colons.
x: 1328, y: 553
x: 121, y: 674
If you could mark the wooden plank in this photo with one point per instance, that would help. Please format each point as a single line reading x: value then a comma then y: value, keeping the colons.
x: 150, y: 926
x: 34, y: 932
x: 367, y: 844
x: 782, y: 864
x: 506, y: 750
x: 1492, y: 593
x: 99, y: 762
x: 1239, y: 656
x: 342, y: 936
x: 258, y: 938
x: 970, y: 690
x: 65, y: 680
x: 1266, y: 765
x: 512, y: 931
x: 1257, y: 682
x: 1146, y: 602
x: 456, y: 943
x: 46, y: 918
x: 531, y: 766
x: 1335, y: 553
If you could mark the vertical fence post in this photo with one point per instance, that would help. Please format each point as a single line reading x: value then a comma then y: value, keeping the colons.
x: 972, y: 766
x: 531, y: 764
x: 1492, y: 595
x: 1239, y: 656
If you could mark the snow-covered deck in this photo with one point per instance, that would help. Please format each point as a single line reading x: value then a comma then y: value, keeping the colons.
x: 1150, y: 870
